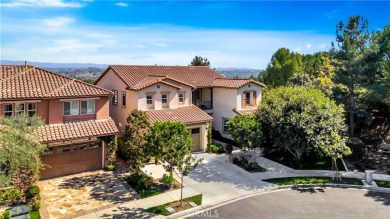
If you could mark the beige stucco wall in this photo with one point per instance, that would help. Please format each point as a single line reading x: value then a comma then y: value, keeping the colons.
x: 206, y: 94
x: 223, y: 105
x: 249, y: 87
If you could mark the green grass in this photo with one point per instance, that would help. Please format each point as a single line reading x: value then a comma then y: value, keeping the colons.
x: 154, y: 189
x: 306, y: 163
x: 161, y: 208
x: 384, y: 184
x: 35, y: 215
x: 313, y: 180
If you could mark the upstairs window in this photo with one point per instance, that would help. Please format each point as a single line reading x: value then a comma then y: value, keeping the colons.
x: 249, y: 98
x: 31, y: 109
x: 87, y: 107
x: 123, y: 98
x: 164, y: 98
x: 149, y: 99
x: 115, y: 98
x: 8, y: 109
x: 71, y: 108
x: 181, y: 97
x: 20, y: 108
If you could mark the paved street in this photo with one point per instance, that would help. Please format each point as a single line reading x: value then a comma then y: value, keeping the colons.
x: 333, y: 203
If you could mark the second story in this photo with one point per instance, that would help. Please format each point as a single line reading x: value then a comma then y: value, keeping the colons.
x: 55, y: 98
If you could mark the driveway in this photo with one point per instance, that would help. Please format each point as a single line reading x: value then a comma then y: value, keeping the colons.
x: 332, y: 203
x: 82, y: 192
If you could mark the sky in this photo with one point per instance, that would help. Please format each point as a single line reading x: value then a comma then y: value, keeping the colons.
x: 240, y: 34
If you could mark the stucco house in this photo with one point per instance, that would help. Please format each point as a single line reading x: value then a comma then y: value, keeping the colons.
x: 75, y: 113
x: 195, y: 95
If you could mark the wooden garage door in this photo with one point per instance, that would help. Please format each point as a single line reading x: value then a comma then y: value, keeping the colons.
x: 69, y: 159
x: 195, y: 135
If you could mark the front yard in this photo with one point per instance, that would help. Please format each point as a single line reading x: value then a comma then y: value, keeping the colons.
x: 161, y: 209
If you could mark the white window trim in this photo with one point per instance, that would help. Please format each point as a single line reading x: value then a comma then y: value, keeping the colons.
x: 78, y: 108
x: 88, y: 101
x: 164, y: 98
x: 151, y: 95
x: 12, y: 111
x: 223, y: 125
x: 184, y: 96
x: 34, y: 110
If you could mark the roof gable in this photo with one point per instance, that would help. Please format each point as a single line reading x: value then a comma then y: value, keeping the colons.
x: 234, y: 83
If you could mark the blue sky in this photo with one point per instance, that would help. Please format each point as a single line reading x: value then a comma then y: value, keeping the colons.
x: 228, y: 33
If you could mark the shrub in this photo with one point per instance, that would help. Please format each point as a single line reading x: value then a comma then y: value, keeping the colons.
x: 357, y: 147
x: 168, y: 180
x: 10, y: 196
x: 110, y: 167
x: 36, y: 206
x: 139, y: 180
x: 5, y: 215
x: 33, y: 191
x: 216, y: 148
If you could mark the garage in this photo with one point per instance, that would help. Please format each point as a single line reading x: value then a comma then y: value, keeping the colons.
x: 195, y: 135
x: 70, y: 159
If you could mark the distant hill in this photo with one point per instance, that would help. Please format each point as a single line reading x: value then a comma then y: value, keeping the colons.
x: 238, y: 72
x: 55, y: 65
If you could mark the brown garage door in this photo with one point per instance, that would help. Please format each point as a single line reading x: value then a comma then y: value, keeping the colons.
x: 69, y: 159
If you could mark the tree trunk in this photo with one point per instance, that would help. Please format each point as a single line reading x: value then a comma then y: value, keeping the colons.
x: 181, y: 192
x: 352, y: 113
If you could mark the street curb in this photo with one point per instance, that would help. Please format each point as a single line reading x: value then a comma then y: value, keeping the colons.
x: 193, y: 211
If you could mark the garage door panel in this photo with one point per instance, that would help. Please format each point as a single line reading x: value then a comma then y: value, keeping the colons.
x: 195, y: 135
x: 73, y: 161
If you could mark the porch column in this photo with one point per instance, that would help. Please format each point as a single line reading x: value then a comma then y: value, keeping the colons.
x: 103, y: 143
x: 211, y: 104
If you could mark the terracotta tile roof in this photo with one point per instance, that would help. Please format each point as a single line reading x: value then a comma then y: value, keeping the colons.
x: 18, y: 82
x: 187, y: 114
x: 75, y: 130
x: 245, y: 111
x: 233, y: 83
x: 151, y: 80
x: 197, y: 76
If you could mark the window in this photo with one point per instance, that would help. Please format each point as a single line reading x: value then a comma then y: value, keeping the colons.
x: 80, y: 147
x: 164, y: 98
x: 48, y: 151
x: 181, y: 97
x: 95, y: 144
x: 71, y: 108
x: 195, y: 131
x: 123, y: 98
x: 247, y: 98
x: 149, y: 99
x: 20, y: 109
x: 197, y: 95
x: 87, y: 107
x: 8, y: 109
x: 224, y: 126
x: 31, y: 109
x: 115, y: 98
x: 63, y: 149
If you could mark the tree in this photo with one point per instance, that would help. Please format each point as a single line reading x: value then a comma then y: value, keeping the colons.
x: 135, y: 145
x: 352, y: 39
x: 245, y: 130
x: 303, y: 120
x: 200, y: 61
x: 20, y: 150
x: 174, y: 143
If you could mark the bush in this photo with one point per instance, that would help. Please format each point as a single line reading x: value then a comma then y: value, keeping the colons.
x: 216, y: 148
x: 139, y: 180
x: 10, y: 196
x: 168, y: 180
x: 121, y: 152
x: 36, y: 206
x: 33, y: 191
x: 5, y: 215
x: 110, y: 167
x: 357, y: 147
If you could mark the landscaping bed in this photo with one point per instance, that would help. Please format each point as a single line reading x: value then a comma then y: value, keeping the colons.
x: 176, y: 205
x: 306, y: 163
x: 146, y: 186
x: 11, y: 197
x: 384, y: 184
x: 312, y: 180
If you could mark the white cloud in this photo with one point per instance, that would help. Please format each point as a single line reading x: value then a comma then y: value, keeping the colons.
x: 58, y: 21
x: 308, y: 46
x: 40, y: 3
x: 121, y: 4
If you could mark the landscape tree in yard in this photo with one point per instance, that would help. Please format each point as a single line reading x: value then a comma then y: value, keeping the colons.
x: 20, y: 150
x: 302, y: 121
x: 134, y: 133
x: 352, y: 39
x: 245, y: 130
x: 175, y: 145
x: 200, y: 61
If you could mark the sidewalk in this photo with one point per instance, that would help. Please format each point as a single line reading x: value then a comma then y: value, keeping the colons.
x: 218, y: 181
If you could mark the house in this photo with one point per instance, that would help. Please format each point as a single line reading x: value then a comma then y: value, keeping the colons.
x: 195, y: 95
x: 76, y: 116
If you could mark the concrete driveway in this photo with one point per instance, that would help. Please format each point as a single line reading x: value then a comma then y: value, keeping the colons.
x: 219, y: 180
x: 333, y: 203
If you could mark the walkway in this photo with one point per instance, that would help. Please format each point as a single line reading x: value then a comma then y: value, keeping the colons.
x: 219, y: 181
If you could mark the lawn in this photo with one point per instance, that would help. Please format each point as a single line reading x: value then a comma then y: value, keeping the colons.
x: 313, y: 180
x: 307, y: 163
x: 384, y: 184
x: 176, y: 205
x: 35, y: 215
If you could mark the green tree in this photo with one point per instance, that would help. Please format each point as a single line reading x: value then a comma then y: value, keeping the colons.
x: 134, y: 134
x: 200, y: 61
x: 20, y: 150
x: 352, y: 39
x: 245, y: 130
x: 303, y: 120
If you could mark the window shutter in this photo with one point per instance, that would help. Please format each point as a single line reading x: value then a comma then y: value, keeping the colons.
x: 243, y: 99
x: 254, y: 98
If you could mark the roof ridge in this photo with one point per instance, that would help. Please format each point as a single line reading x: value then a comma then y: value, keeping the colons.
x: 19, y: 73
x: 59, y: 88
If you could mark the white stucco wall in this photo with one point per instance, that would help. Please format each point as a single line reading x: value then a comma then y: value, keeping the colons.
x: 224, y: 102
x: 249, y: 87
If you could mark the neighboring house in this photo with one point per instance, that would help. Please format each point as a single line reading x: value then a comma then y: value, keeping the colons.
x: 75, y: 113
x: 195, y: 95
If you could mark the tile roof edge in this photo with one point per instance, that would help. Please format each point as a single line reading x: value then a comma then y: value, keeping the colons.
x: 22, y: 72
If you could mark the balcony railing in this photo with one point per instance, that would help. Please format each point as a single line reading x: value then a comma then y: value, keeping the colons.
x: 204, y: 105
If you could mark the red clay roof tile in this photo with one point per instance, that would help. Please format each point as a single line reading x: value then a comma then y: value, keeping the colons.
x: 187, y: 114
